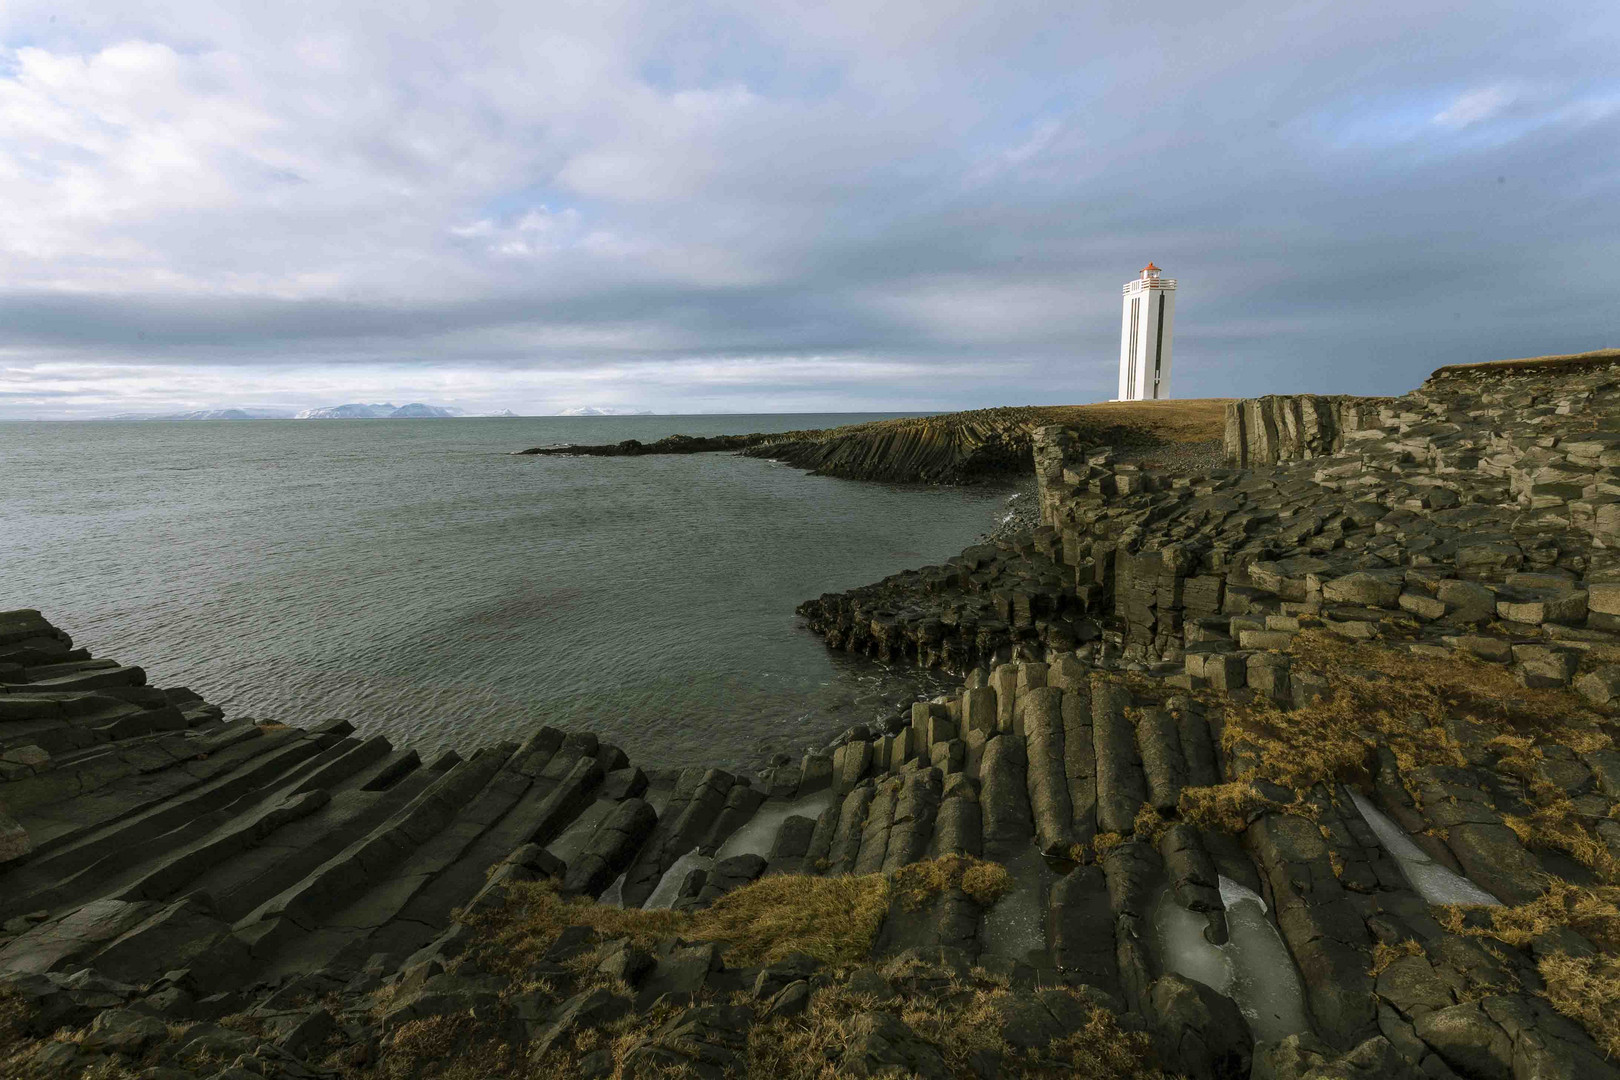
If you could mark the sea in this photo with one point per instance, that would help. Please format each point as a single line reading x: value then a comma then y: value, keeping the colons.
x: 420, y: 580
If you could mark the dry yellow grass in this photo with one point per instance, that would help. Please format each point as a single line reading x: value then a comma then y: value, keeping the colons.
x: 1176, y: 420
x: 1223, y: 807
x: 1118, y: 422
x: 983, y: 882
x: 1384, y: 955
x: 961, y: 1023
x: 1593, y: 912
x: 1572, y: 360
x: 1587, y: 990
x: 834, y: 919
x: 1149, y: 824
x: 959, y: 1018
x: 16, y: 1016
x: 1096, y: 847
x: 1384, y: 698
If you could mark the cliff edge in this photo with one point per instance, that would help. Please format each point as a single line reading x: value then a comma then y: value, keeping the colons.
x: 948, y: 448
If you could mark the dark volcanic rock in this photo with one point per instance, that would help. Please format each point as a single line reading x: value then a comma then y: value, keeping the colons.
x: 673, y: 444
x: 1201, y: 1034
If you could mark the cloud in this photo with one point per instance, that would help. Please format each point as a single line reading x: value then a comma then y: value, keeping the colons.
x: 731, y: 203
x: 1474, y: 106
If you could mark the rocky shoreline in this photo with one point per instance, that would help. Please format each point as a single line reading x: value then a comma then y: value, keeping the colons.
x: 673, y: 444
x: 983, y: 445
x: 1296, y: 765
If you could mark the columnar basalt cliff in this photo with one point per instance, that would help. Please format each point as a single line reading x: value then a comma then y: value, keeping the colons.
x: 1264, y: 431
x: 951, y: 448
x: 1050, y: 870
x: 1305, y: 770
x: 1481, y: 497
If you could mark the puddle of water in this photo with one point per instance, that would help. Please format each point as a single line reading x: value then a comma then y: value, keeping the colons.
x: 1433, y: 882
x: 758, y: 833
x: 1253, y: 968
x: 1016, y: 925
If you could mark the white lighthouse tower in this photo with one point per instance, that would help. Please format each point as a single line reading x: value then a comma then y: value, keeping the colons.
x: 1144, y: 337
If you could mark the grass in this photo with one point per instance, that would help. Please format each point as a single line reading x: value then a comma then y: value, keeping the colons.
x: 918, y: 883
x: 961, y: 1022
x: 1149, y: 824
x: 1381, y: 697
x: 1384, y: 697
x: 1587, y: 990
x: 1175, y: 420
x: 1559, y: 360
x: 1224, y: 807
x: 1591, y: 911
x: 1384, y: 954
x: 964, y: 447
x: 16, y: 1018
x: 1094, y: 849
x: 833, y: 919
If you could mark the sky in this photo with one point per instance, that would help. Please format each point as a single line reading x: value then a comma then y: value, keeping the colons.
x: 778, y: 206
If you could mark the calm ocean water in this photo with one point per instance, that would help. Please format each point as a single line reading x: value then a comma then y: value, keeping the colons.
x: 417, y: 579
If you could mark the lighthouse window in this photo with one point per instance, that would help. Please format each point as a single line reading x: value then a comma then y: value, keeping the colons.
x: 1130, y: 369
x: 1158, y: 348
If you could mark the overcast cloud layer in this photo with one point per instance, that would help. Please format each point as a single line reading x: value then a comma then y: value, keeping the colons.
x: 774, y: 206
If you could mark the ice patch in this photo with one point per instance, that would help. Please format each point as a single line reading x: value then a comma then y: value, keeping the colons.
x: 758, y: 833
x: 663, y: 895
x: 1253, y: 968
x: 1433, y: 882
x: 1232, y: 892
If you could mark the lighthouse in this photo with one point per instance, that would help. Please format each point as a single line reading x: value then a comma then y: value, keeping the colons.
x: 1144, y: 337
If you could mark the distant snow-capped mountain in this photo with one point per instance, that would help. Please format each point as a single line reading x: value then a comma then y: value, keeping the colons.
x: 379, y: 411
x: 350, y: 412
x: 383, y: 410
x: 208, y: 414
x: 416, y: 411
x: 591, y: 410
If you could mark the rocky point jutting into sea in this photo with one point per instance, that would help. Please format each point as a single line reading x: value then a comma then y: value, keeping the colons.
x: 1299, y: 764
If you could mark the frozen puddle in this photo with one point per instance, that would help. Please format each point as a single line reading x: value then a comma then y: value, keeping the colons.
x: 1253, y: 968
x: 1016, y: 926
x: 754, y: 837
x: 669, y: 886
x: 1433, y: 882
x: 758, y: 833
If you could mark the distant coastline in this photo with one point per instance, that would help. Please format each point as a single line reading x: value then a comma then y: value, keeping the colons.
x: 978, y: 446
x: 415, y: 410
